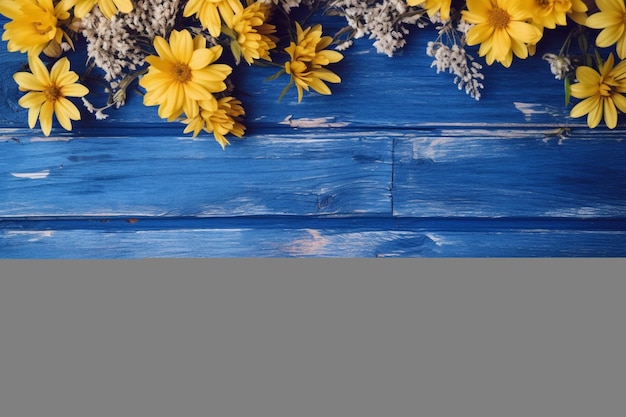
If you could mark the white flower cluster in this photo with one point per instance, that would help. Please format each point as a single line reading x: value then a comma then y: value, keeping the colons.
x: 386, y: 21
x: 456, y: 61
x: 115, y: 45
x: 560, y: 65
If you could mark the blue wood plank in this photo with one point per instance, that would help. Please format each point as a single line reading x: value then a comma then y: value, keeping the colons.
x: 510, y: 173
x: 376, y: 91
x: 284, y: 237
x: 323, y: 172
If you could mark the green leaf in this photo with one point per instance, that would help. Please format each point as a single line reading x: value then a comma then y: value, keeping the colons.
x: 285, y: 90
x: 274, y: 76
x: 568, y: 90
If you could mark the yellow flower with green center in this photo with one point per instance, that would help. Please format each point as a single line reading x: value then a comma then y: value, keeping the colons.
x: 501, y: 28
x: 47, y: 93
x: 433, y: 6
x: 612, y: 20
x: 550, y: 13
x: 109, y: 8
x: 183, y: 73
x: 601, y: 92
x: 36, y: 25
x: 251, y: 37
x: 308, y: 56
x: 210, y: 12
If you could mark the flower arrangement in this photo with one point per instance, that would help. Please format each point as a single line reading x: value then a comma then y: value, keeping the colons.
x: 181, y: 53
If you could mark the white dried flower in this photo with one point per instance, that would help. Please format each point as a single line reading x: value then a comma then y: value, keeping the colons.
x: 560, y: 65
x: 457, y: 61
x: 114, y: 45
x: 385, y: 21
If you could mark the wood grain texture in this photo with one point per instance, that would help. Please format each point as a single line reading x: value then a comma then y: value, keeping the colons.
x: 395, y: 163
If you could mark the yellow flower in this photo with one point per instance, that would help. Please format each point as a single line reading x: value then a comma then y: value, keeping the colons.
x: 47, y: 93
x: 501, y: 29
x: 109, y: 8
x: 35, y: 25
x: 209, y: 12
x: 601, y: 93
x: 433, y: 6
x: 611, y: 18
x: 579, y: 12
x: 251, y: 37
x: 182, y: 74
x: 308, y: 57
x: 550, y: 13
x: 220, y: 118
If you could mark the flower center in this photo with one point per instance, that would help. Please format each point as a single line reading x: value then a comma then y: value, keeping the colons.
x: 41, y: 29
x: 181, y: 72
x: 498, y: 18
x: 52, y: 93
x: 606, y: 90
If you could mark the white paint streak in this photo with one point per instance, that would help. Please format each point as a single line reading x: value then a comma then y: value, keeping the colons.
x: 35, y: 235
x: 32, y: 175
x: 530, y: 109
x: 51, y: 139
x: 316, y: 122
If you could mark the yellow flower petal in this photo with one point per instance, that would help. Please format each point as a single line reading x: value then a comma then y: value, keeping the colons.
x: 45, y: 117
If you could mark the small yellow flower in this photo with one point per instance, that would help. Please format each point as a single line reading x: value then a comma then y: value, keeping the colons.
x: 433, y: 6
x: 220, y: 118
x: 47, y: 93
x: 501, y: 28
x: 308, y: 57
x: 109, y: 8
x: 36, y: 25
x: 550, y: 13
x: 601, y: 92
x: 611, y: 18
x: 182, y: 74
x: 209, y: 12
x: 251, y: 36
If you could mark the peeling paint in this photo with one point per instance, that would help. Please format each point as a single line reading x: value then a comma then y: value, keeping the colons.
x: 32, y: 175
x: 307, y: 246
x: 314, y: 122
x: 34, y: 235
x: 530, y: 109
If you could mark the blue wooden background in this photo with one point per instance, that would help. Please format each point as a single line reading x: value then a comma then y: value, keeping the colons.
x: 396, y: 163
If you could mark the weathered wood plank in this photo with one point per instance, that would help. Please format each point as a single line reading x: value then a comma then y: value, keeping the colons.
x: 318, y: 172
x: 279, y: 237
x: 510, y: 173
x: 376, y: 91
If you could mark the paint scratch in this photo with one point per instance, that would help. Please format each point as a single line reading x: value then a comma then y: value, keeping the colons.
x: 32, y: 175
x: 315, y: 122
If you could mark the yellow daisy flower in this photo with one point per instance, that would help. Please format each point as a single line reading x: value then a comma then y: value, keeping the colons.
x: 433, y: 6
x: 601, y: 92
x: 250, y: 36
x: 501, y: 28
x: 209, y: 12
x: 550, y: 13
x: 220, y: 118
x: 47, y: 93
x: 182, y: 73
x: 308, y: 57
x: 35, y: 25
x: 611, y: 18
x: 109, y: 8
